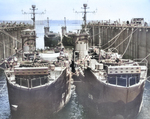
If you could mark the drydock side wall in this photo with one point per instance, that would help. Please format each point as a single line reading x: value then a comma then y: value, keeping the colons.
x: 137, y: 39
x: 9, y: 34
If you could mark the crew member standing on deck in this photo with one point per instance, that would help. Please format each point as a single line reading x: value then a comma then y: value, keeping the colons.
x: 6, y: 64
x: 15, y: 60
x: 72, y: 66
x: 11, y: 64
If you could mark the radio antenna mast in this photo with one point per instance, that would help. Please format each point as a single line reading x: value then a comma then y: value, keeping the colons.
x: 33, y: 13
x: 85, y: 12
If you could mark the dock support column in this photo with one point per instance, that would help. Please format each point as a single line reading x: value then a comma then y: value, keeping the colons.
x: 4, y: 55
x: 15, y: 42
x: 93, y: 36
x: 19, y: 38
x: 10, y: 44
x: 99, y: 36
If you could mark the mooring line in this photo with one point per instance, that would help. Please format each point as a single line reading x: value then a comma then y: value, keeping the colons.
x: 117, y: 36
x: 125, y: 39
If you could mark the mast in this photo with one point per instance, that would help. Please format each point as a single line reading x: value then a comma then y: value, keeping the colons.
x: 47, y: 21
x: 64, y: 28
x: 65, y: 21
x: 30, y: 35
x: 85, y: 12
x: 81, y: 43
x: 33, y: 13
x: 84, y: 18
x: 33, y: 18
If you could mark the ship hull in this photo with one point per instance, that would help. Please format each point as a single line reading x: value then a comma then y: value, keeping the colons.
x: 105, y: 101
x: 39, y: 102
x: 2, y: 65
x: 51, y: 41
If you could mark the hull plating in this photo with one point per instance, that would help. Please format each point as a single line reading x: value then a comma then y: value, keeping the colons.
x: 40, y: 102
x: 107, y: 101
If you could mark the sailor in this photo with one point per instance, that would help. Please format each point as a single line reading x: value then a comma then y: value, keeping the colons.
x: 11, y: 64
x: 62, y: 52
x: 56, y: 63
x: 117, y: 60
x: 16, y: 50
x: 15, y: 60
x: 72, y: 66
x: 6, y: 64
x: 39, y: 61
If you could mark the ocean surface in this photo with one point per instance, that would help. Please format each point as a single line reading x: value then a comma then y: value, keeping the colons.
x: 73, y: 110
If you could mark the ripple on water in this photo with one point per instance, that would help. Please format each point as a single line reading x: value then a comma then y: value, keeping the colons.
x: 4, y: 103
x: 145, y: 114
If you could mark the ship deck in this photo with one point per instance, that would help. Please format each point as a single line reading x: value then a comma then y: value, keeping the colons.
x: 49, y: 78
x: 125, y: 75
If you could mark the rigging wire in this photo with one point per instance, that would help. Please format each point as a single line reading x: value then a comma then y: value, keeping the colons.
x: 114, y: 37
x: 145, y: 58
x: 6, y: 33
x: 147, y: 79
x: 6, y: 46
x: 97, y: 33
x: 125, y: 39
x: 112, y: 43
x: 117, y: 35
x: 128, y: 43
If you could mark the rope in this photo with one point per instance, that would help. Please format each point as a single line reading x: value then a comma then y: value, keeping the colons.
x: 112, y: 49
x: 125, y: 39
x: 9, y: 35
x: 6, y: 46
x: 144, y: 58
x: 128, y: 43
x: 114, y: 37
x: 112, y: 43
x: 147, y: 79
x: 117, y: 34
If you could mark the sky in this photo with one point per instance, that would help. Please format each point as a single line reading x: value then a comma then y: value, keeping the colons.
x: 58, y: 9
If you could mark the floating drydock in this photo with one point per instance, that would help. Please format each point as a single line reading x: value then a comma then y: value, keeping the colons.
x: 10, y: 38
x: 132, y: 38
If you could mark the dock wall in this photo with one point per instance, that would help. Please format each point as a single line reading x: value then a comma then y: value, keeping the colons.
x: 135, y: 40
x: 10, y: 38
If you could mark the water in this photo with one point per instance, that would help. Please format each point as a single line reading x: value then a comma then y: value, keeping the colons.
x: 73, y: 109
x: 4, y: 103
x: 55, y: 26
